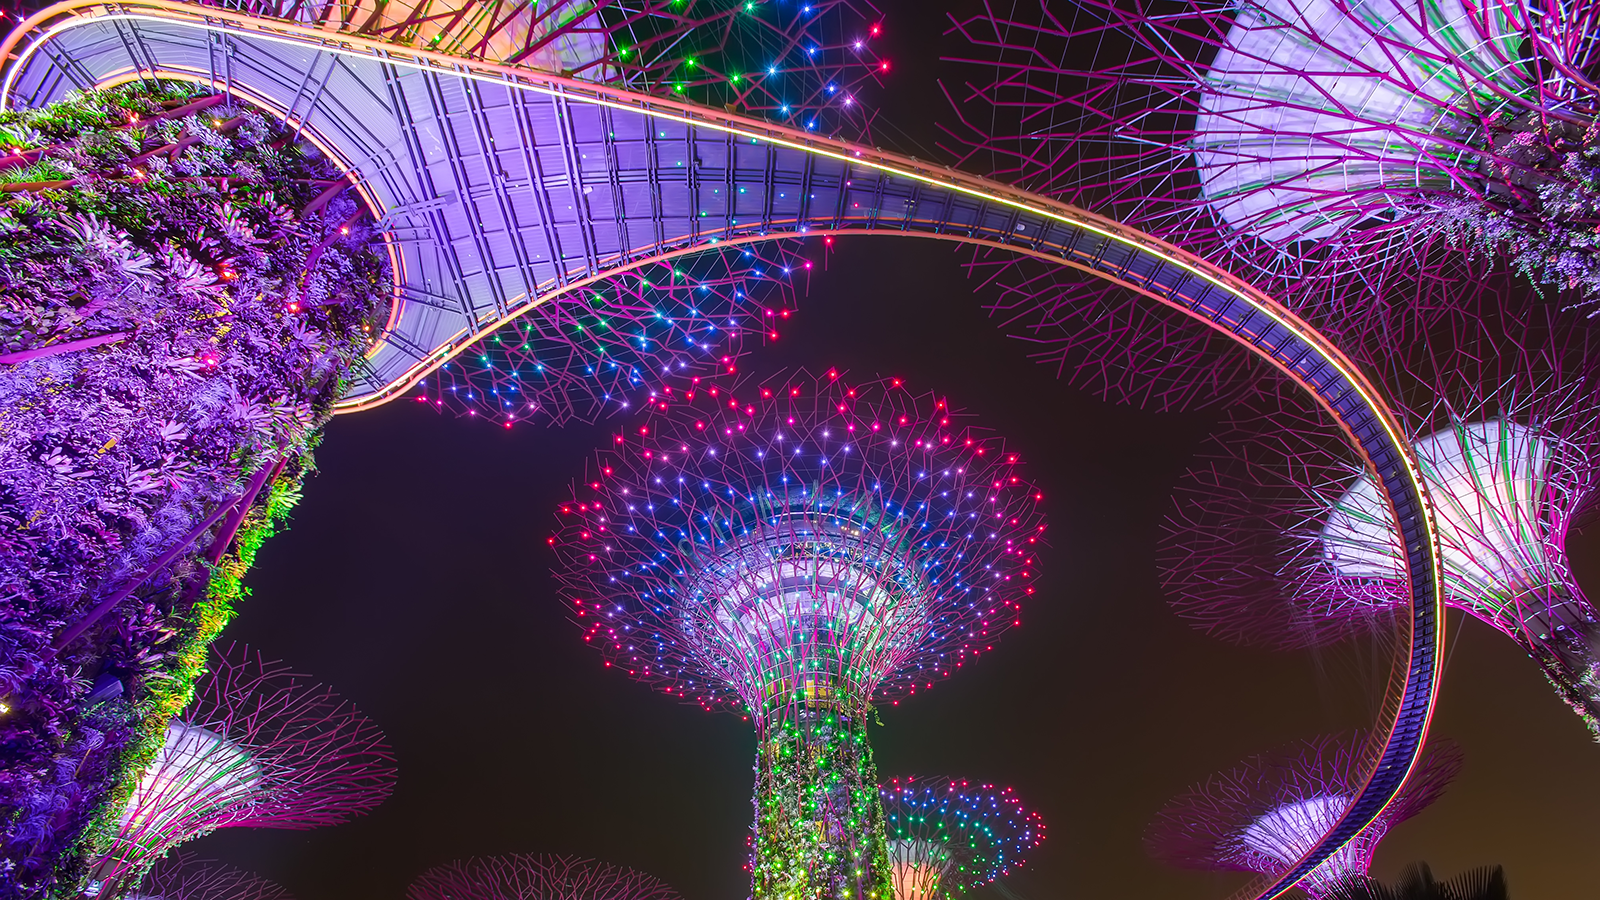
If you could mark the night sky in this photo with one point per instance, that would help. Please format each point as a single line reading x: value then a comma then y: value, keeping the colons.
x: 415, y: 580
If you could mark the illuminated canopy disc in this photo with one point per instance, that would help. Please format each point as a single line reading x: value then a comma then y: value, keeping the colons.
x: 258, y: 746
x: 1265, y: 814
x: 947, y: 836
x: 1316, y: 114
x: 796, y: 549
x: 197, y: 772
x: 1503, y: 495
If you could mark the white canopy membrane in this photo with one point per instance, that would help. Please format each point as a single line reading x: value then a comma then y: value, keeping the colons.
x: 196, y: 774
x: 920, y: 866
x: 1317, y: 115
x: 1287, y: 832
x: 1502, y: 493
x: 809, y: 606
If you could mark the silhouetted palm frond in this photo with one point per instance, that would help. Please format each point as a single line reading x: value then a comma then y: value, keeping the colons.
x: 1417, y: 883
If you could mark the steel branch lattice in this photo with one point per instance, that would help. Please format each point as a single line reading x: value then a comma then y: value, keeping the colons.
x: 908, y: 529
x: 1276, y: 538
x: 526, y: 875
x: 267, y: 62
x: 257, y: 747
x: 1261, y: 815
x: 183, y: 876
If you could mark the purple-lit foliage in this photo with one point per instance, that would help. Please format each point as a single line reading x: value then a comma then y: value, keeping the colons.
x: 1279, y: 538
x: 259, y: 747
x: 801, y: 62
x: 525, y: 876
x: 183, y: 876
x: 948, y: 836
x: 604, y: 348
x: 186, y: 288
x: 1267, y: 812
x: 795, y: 549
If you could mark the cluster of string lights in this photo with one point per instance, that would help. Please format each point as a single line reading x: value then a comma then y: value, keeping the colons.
x: 720, y: 461
x: 603, y: 348
x: 807, y: 63
x: 950, y: 835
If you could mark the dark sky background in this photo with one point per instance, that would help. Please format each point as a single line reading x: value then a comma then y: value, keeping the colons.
x: 414, y: 579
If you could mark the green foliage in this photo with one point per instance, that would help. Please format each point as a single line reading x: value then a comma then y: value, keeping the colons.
x: 819, y: 815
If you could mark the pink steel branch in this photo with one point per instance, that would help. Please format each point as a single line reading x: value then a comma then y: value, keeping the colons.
x: 544, y: 877
x: 257, y: 747
x: 1255, y: 817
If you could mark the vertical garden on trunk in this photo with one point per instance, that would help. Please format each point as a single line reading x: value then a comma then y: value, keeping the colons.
x: 186, y: 286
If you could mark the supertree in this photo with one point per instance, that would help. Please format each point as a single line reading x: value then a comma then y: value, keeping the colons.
x: 1278, y: 540
x: 527, y: 876
x: 795, y: 549
x: 1264, y: 814
x: 259, y: 747
x: 183, y: 876
x: 1337, y: 138
x: 947, y: 836
x: 1343, y: 155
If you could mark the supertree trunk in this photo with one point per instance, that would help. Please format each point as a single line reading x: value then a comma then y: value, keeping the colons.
x: 1564, y: 639
x: 819, y: 830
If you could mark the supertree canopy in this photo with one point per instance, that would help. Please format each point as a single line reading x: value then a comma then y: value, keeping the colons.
x: 795, y: 549
x: 1278, y: 539
x: 1266, y: 813
x: 1332, y: 137
x: 186, y: 288
x: 947, y: 836
x: 1343, y: 155
x: 525, y: 876
x: 259, y: 747
x: 182, y: 876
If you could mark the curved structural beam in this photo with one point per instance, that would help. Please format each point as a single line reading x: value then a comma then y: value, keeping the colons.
x: 500, y: 188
